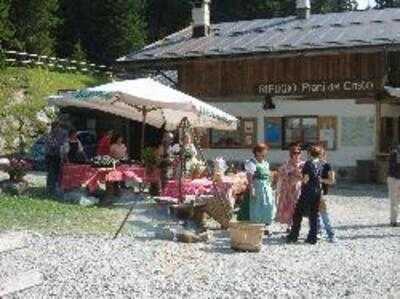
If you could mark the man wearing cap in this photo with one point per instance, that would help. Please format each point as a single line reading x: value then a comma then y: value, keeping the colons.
x: 394, y: 183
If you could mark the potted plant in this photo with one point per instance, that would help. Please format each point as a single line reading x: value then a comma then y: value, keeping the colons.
x: 150, y: 159
x: 151, y: 162
x: 196, y: 168
x: 17, y: 169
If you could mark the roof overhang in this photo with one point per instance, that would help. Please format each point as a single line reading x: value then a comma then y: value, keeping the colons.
x: 172, y: 63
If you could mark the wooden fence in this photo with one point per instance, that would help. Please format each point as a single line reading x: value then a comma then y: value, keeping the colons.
x: 15, y: 58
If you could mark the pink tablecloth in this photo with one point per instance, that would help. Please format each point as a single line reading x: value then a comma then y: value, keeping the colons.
x: 233, y: 185
x: 77, y: 175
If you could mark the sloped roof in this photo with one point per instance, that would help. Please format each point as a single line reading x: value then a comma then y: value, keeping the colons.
x: 323, y: 31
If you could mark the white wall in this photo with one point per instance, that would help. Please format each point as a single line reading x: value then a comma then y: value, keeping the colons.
x: 341, y: 157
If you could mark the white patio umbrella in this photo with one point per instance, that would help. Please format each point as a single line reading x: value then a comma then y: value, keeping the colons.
x: 150, y: 102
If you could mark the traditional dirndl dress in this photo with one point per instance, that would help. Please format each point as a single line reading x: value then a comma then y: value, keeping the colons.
x: 262, y: 204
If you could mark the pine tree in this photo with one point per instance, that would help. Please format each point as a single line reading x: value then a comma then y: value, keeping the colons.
x: 68, y: 30
x: 5, y: 26
x: 345, y: 5
x: 116, y: 28
x: 321, y: 6
x: 166, y: 17
x: 78, y: 53
x: 35, y: 22
x: 387, y: 3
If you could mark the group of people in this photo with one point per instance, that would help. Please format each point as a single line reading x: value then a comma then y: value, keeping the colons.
x: 301, y: 186
x: 63, y: 146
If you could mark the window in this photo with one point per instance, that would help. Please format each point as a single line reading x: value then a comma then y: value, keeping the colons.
x: 279, y: 132
x: 302, y: 129
x: 273, y: 131
x: 244, y: 137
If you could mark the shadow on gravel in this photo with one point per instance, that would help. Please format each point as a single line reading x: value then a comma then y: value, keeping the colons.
x: 377, y: 237
x: 222, y: 249
x: 359, y: 190
x: 362, y: 226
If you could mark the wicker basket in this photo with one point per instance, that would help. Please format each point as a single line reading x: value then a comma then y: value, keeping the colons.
x: 246, y: 236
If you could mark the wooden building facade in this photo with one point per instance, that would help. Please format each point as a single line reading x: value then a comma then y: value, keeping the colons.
x: 320, y: 79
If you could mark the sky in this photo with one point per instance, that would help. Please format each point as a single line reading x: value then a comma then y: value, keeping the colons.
x: 364, y: 3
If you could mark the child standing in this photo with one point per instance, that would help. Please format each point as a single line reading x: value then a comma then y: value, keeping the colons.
x: 327, y: 178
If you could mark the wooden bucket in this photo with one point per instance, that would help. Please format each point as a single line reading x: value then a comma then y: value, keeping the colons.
x: 246, y: 236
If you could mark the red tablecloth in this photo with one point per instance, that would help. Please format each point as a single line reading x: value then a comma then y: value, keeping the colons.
x: 230, y: 185
x: 77, y: 175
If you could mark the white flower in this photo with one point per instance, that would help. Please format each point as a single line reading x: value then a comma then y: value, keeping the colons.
x: 176, y: 148
x: 220, y: 164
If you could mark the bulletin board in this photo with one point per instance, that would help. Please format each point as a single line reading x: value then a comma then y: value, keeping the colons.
x: 358, y: 131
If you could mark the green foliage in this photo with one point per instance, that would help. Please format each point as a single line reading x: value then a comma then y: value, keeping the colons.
x: 229, y: 10
x: 118, y: 29
x: 5, y: 26
x: 103, y: 29
x: 387, y: 3
x: 150, y: 159
x: 35, y: 22
x: 166, y: 17
x: 344, y: 5
x: 23, y: 93
x: 78, y: 53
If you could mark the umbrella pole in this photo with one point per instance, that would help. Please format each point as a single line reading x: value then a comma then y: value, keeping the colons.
x: 144, y: 113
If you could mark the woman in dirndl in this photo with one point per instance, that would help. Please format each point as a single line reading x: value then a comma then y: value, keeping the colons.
x: 262, y: 200
x: 289, y: 185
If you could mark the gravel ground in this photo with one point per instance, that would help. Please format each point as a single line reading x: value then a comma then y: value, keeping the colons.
x: 365, y: 263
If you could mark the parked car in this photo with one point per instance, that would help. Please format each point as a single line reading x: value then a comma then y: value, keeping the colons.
x: 37, y: 152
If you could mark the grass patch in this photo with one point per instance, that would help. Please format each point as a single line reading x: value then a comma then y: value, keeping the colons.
x: 44, y: 215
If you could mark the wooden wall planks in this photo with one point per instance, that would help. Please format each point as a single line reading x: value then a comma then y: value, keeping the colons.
x: 241, y: 76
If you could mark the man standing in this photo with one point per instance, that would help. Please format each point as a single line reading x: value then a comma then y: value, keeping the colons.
x: 394, y: 183
x: 57, y: 137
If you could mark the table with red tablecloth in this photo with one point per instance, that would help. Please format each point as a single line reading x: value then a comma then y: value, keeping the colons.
x: 229, y: 185
x: 81, y: 175
x: 217, y: 199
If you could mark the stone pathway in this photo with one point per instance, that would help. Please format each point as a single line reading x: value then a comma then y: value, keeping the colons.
x: 23, y: 280
x: 12, y: 241
x: 20, y: 282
